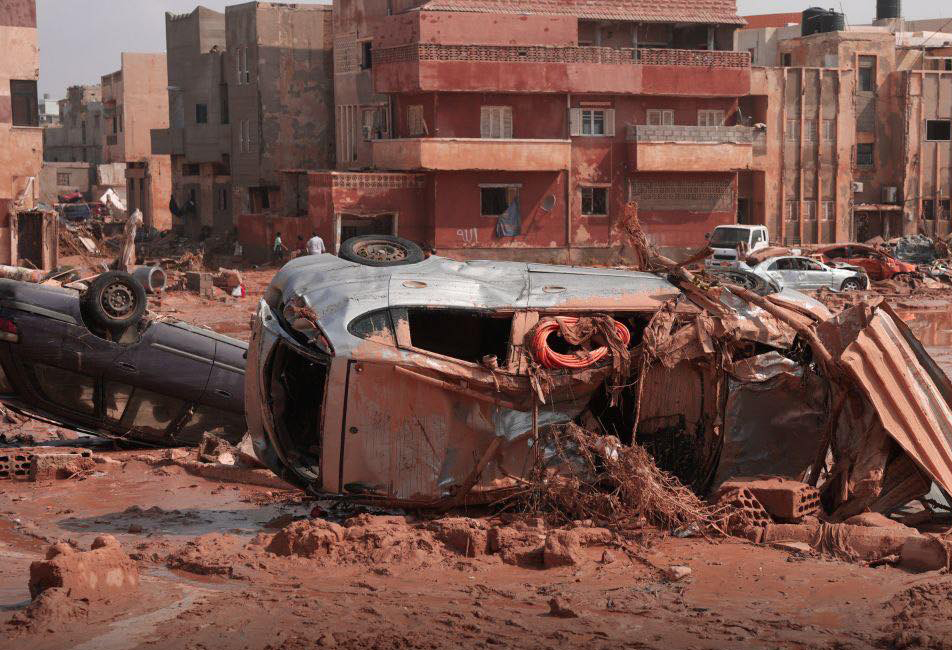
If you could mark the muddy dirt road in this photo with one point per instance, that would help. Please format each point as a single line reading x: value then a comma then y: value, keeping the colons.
x: 231, y: 565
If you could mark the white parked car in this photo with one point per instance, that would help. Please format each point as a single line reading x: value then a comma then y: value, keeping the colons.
x: 806, y: 274
x: 725, y: 240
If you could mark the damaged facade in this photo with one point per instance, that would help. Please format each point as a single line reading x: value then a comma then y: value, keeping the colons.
x: 531, y: 125
x: 877, y: 128
x: 26, y: 236
x: 135, y: 101
x: 79, y: 136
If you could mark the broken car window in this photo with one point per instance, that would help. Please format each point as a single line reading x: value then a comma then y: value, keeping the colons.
x: 209, y: 420
x: 465, y: 335
x: 116, y: 397
x: 67, y: 389
x: 150, y: 412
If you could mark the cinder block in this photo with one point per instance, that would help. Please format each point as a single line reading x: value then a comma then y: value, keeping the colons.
x: 49, y: 466
x: 200, y: 283
x: 782, y: 498
x: 14, y: 465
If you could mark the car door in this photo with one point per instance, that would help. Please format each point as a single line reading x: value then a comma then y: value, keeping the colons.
x: 814, y: 274
x: 788, y: 271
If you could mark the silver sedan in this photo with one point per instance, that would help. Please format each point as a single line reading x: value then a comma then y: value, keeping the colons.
x: 804, y: 273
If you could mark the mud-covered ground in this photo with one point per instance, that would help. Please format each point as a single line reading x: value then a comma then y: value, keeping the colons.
x: 228, y: 565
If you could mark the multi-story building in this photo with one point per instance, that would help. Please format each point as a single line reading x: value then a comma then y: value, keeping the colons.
x: 501, y: 128
x: 79, y: 136
x: 24, y: 235
x: 49, y: 111
x: 199, y: 134
x: 865, y: 152
x: 279, y: 65
x: 136, y: 100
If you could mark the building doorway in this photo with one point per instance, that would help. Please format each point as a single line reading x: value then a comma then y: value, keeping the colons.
x: 30, y: 239
x: 743, y: 212
x: 877, y: 222
x: 355, y: 225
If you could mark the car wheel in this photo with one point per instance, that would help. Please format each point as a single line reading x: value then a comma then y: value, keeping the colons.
x: 381, y: 250
x: 114, y: 300
x: 851, y: 284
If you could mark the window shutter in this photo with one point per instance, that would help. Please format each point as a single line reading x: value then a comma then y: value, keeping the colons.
x: 667, y: 118
x: 610, y: 121
x: 654, y: 118
x: 575, y: 121
x: 506, y: 122
x: 485, y: 122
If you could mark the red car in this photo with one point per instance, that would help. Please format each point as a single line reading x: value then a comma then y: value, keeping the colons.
x: 877, y: 264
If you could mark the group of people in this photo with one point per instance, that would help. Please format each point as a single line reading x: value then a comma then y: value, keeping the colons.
x: 313, y: 246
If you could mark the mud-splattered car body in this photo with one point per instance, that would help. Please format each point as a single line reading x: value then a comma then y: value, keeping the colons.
x: 413, y: 382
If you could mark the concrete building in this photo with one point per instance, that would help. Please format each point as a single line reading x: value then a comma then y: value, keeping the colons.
x: 136, y: 100
x: 24, y: 235
x: 199, y: 136
x: 49, y: 111
x: 279, y: 65
x: 79, y: 137
x: 880, y: 132
x: 501, y: 129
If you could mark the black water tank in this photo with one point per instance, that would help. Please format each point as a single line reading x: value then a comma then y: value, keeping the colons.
x: 888, y: 9
x: 810, y: 21
x: 833, y: 22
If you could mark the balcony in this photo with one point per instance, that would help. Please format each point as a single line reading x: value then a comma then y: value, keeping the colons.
x: 472, y: 154
x: 691, y: 148
x: 503, y: 68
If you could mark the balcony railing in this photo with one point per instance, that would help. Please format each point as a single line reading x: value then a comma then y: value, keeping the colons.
x: 691, y: 134
x: 574, y: 55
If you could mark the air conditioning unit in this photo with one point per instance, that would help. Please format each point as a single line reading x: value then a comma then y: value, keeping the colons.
x: 891, y: 195
x: 857, y: 187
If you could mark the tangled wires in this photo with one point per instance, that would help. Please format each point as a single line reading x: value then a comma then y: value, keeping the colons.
x: 576, y: 331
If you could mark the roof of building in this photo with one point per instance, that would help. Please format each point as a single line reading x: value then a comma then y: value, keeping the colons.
x: 773, y: 20
x: 647, y: 11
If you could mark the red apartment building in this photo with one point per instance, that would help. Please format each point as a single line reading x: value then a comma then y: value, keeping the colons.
x: 522, y: 128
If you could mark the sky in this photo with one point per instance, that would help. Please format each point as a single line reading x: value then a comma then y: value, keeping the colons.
x: 81, y: 40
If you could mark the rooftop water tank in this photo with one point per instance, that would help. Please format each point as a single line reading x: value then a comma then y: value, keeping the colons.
x: 886, y: 9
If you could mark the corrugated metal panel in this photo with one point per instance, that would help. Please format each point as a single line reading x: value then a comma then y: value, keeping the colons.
x: 684, y: 11
x: 906, y: 396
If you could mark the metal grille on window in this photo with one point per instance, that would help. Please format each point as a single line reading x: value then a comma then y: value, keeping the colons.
x: 496, y: 122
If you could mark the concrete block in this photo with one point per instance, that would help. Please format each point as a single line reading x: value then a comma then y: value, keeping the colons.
x: 782, y: 498
x: 59, y: 464
x: 200, y: 283
x: 14, y: 465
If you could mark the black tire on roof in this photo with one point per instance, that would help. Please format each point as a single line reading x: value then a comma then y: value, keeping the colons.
x: 114, y: 300
x: 381, y: 251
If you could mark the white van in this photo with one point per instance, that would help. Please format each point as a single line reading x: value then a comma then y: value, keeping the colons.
x: 726, y: 239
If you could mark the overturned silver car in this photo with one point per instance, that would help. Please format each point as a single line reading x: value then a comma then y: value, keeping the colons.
x: 427, y: 383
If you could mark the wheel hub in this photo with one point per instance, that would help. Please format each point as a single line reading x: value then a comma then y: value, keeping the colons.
x: 380, y: 251
x: 118, y: 300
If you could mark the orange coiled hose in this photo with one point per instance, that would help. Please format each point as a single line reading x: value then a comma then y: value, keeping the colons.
x: 549, y: 358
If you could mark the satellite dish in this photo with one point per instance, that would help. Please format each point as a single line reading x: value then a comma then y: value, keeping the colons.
x: 548, y: 203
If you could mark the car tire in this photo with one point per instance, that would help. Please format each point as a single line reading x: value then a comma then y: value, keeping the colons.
x: 115, y: 300
x: 852, y: 284
x: 381, y: 251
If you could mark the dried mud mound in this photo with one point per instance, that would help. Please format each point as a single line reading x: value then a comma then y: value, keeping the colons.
x: 922, y: 618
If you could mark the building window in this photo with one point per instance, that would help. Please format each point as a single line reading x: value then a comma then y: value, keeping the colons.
x: 241, y: 60
x: 495, y: 122
x: 119, y: 117
x: 829, y: 131
x: 26, y: 110
x: 595, y: 201
x: 366, y: 55
x: 496, y: 199
x: 867, y: 74
x: 660, y: 117
x: 945, y: 210
x: 201, y: 113
x: 939, y: 130
x: 829, y: 210
x: 865, y: 155
x: 809, y: 131
x: 809, y: 210
x: 223, y: 98
x: 259, y: 198
x: 793, y: 210
x: 416, y: 125
x: 376, y: 123
x: 928, y: 209
x: 786, y: 60
x: 245, y: 137
x: 191, y: 169
x: 62, y: 179
x: 793, y: 130
x: 710, y: 118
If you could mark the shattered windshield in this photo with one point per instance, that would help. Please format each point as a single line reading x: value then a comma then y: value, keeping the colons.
x: 729, y: 237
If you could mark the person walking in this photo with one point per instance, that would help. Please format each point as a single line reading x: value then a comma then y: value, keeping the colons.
x: 279, y: 249
x: 315, y: 245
